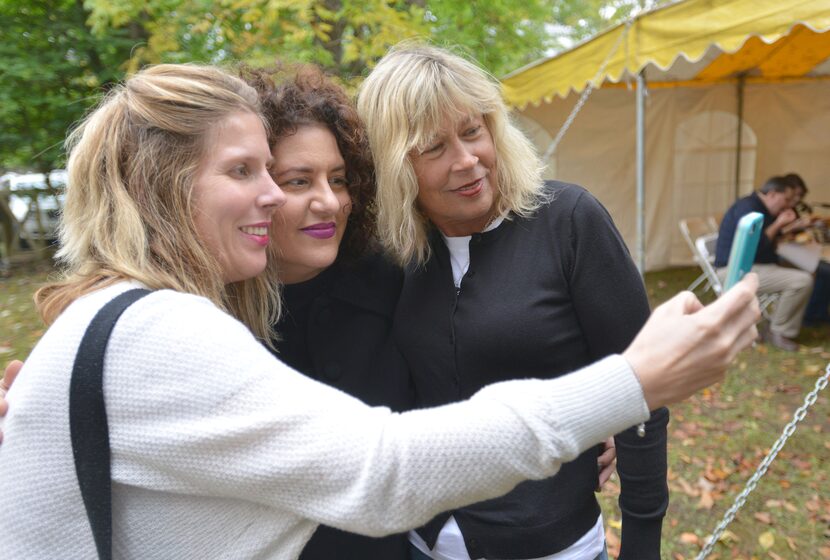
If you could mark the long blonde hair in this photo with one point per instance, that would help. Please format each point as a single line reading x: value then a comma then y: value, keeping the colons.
x: 129, y: 209
x: 403, y: 103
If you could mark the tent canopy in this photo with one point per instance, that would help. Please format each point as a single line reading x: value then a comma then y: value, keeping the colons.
x: 738, y: 91
x: 691, y: 42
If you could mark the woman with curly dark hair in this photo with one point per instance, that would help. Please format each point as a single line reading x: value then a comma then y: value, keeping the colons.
x: 339, y: 293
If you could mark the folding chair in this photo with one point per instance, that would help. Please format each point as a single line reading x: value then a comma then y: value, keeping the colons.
x: 692, y: 229
x: 705, y: 253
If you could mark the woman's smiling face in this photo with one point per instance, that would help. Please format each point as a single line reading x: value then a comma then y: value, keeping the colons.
x: 234, y: 196
x: 308, y: 229
x: 456, y: 174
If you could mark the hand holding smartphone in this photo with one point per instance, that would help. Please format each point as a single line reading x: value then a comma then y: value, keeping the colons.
x: 744, y: 247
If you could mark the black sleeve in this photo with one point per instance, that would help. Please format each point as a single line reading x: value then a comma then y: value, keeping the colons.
x: 612, y: 306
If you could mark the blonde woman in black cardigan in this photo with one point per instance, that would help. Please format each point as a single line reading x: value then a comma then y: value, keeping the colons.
x: 507, y: 277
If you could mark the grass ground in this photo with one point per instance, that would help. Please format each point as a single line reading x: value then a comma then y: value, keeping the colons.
x: 20, y: 325
x: 716, y: 440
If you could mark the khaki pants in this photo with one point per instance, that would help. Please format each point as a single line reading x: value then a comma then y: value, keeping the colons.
x: 794, y: 286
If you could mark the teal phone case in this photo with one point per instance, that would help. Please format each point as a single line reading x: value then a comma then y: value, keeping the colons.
x: 744, y: 247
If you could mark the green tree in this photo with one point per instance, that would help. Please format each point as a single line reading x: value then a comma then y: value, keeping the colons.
x: 348, y: 36
x: 341, y: 35
x: 579, y: 20
x: 51, y: 70
x: 52, y: 67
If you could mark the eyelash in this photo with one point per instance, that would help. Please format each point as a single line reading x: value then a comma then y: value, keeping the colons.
x: 300, y: 182
x: 470, y: 132
x: 241, y: 171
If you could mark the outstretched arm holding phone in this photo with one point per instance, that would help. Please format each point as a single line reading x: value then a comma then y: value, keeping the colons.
x: 670, y: 368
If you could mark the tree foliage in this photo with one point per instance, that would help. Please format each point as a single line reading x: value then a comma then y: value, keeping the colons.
x: 348, y: 36
x: 51, y: 70
x: 57, y: 56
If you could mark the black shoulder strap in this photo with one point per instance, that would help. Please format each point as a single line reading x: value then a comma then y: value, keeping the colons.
x: 88, y: 420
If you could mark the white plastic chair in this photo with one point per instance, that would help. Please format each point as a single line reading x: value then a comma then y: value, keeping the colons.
x: 705, y: 247
x: 692, y: 229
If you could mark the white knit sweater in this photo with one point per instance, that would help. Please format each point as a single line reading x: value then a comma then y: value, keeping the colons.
x: 221, y: 451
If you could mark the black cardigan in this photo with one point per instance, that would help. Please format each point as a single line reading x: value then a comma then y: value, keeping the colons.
x: 336, y: 328
x: 542, y: 297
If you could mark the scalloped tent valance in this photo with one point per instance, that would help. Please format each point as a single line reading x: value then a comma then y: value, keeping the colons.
x: 687, y: 43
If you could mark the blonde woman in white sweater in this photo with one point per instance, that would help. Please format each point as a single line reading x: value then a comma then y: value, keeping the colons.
x: 219, y: 450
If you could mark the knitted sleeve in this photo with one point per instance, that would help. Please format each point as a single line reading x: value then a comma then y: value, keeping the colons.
x: 197, y: 406
x: 612, y: 305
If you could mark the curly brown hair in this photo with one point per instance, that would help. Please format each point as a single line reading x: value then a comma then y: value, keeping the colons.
x: 307, y: 96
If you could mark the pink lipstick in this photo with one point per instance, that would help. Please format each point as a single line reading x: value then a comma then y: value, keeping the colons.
x: 324, y: 230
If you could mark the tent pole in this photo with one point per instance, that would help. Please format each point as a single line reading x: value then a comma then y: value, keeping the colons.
x: 641, y: 173
x: 741, y: 84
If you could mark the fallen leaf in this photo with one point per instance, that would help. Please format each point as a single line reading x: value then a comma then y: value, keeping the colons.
x: 707, y: 500
x: 776, y: 504
x: 801, y: 464
x: 788, y: 389
x: 791, y: 544
x: 727, y: 537
x: 715, y: 474
x: 732, y: 426
x: 689, y: 538
x: 766, y: 540
x: 813, y: 504
x: 763, y: 517
x: 688, y: 489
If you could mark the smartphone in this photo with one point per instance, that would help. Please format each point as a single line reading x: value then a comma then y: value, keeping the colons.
x: 744, y: 247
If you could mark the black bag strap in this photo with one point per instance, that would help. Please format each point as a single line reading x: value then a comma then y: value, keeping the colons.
x: 88, y: 420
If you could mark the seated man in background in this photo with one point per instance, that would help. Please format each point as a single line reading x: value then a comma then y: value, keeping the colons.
x: 819, y: 301
x: 774, y: 200
x: 802, y: 209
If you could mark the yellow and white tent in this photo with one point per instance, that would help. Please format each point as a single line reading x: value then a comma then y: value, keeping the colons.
x: 737, y: 91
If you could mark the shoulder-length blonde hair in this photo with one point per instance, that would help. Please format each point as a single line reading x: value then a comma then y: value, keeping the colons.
x: 403, y: 102
x: 129, y: 210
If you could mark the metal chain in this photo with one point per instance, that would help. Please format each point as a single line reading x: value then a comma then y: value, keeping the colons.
x: 789, y: 429
x: 585, y: 94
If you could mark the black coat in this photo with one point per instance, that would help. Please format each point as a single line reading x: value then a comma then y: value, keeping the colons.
x: 336, y: 328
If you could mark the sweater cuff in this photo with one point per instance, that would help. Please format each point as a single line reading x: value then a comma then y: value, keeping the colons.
x: 616, y: 403
x: 640, y: 538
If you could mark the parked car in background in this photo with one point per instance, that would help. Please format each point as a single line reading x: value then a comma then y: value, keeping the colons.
x: 35, y: 205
